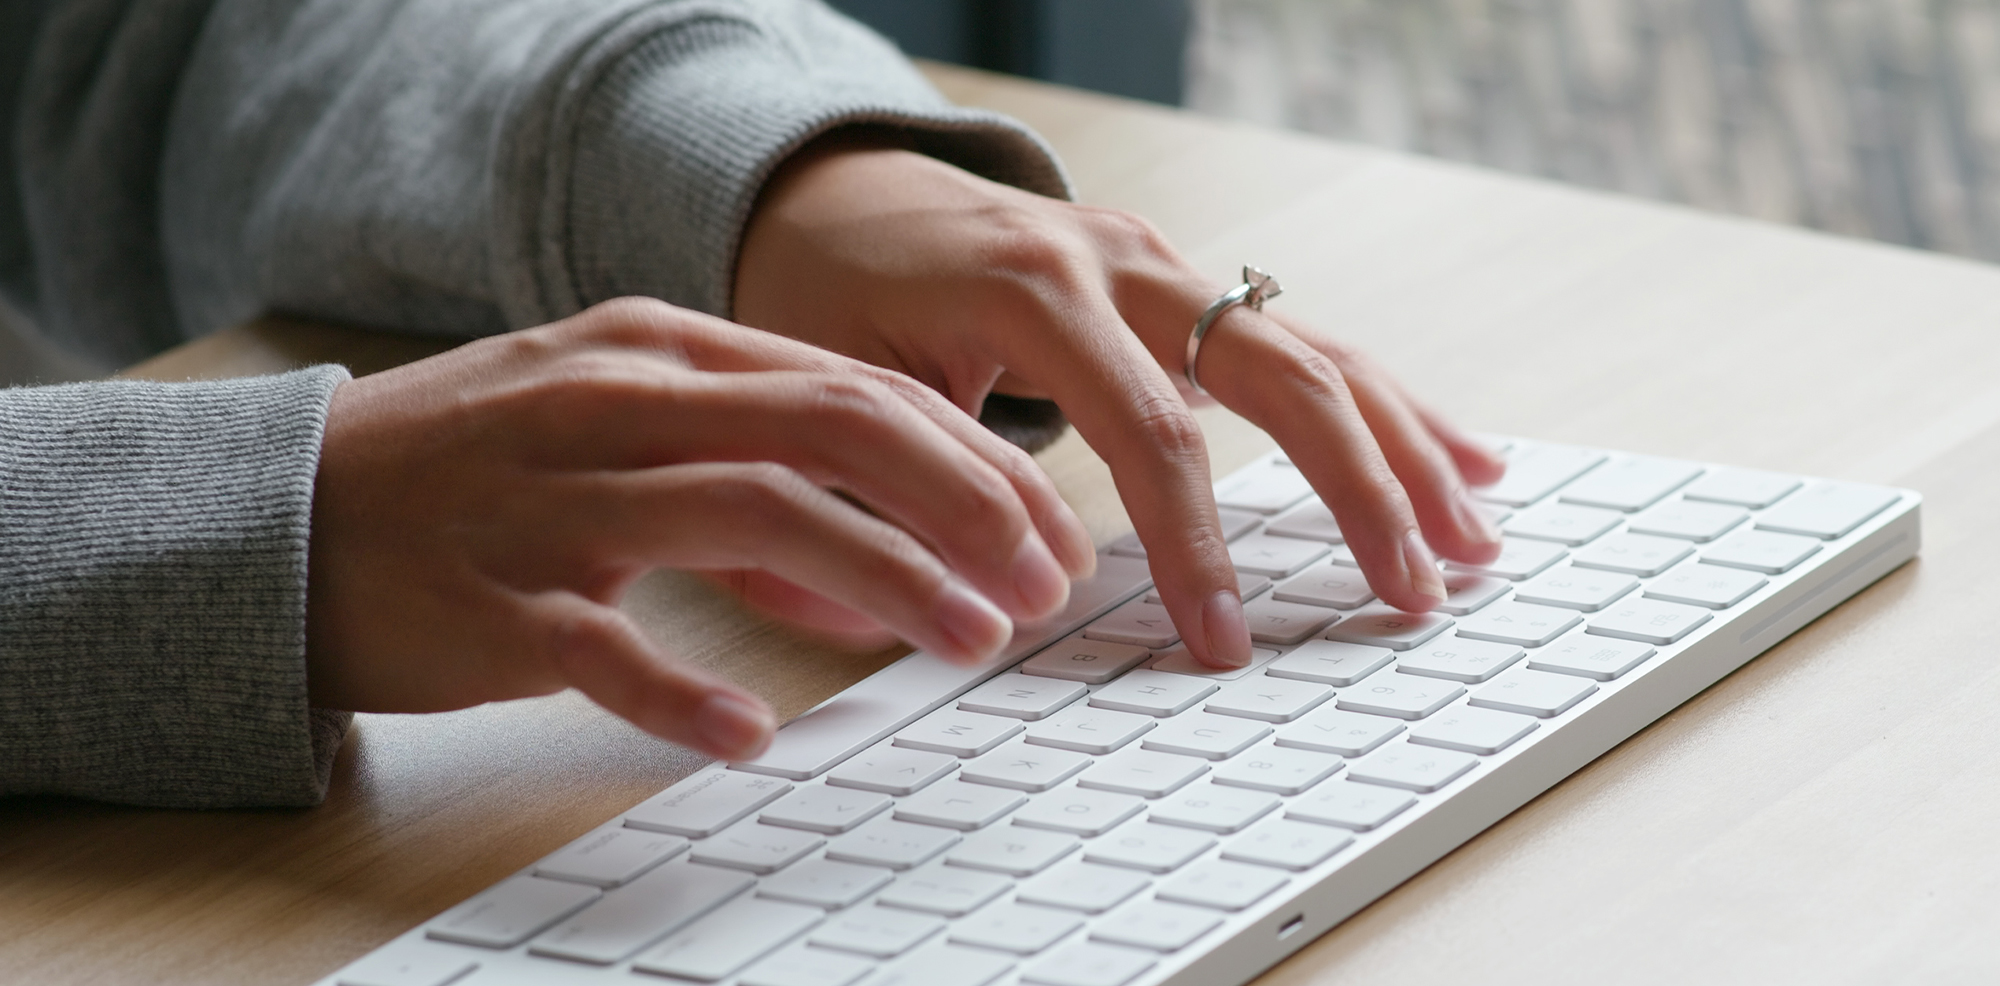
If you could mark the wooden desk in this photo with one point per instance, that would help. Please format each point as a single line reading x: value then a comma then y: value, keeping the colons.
x: 1823, y: 815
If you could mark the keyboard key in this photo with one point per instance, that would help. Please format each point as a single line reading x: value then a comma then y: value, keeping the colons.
x: 806, y: 966
x: 959, y: 733
x: 1385, y: 627
x: 1762, y: 551
x: 1016, y: 928
x: 407, y: 967
x: 831, y: 810
x: 1235, y: 524
x: 1601, y: 658
x: 944, y: 965
x: 1404, y: 696
x: 511, y: 911
x: 1457, y: 658
x: 1465, y: 592
x: 1534, y: 693
x: 1349, y: 805
x: 883, y: 932
x: 1220, y: 885
x: 1826, y: 510
x: 1518, y: 623
x: 1634, y: 554
x: 1079, y: 811
x: 958, y: 805
x: 754, y: 846
x: 1413, y: 768
x: 1331, y: 662
x: 706, y: 803
x: 729, y: 939
x: 1278, y: 769
x: 1692, y: 520
x: 1211, y: 737
x: 1571, y: 587
x: 624, y: 922
x: 1563, y: 523
x: 1268, y: 699
x: 1153, y: 693
x: 609, y: 857
x: 1743, y: 487
x: 1326, y: 584
x: 1535, y: 471
x: 1274, y: 621
x: 1080, y: 886
x: 1212, y: 809
x: 892, y: 770
x: 1180, y: 661
x: 1520, y: 558
x: 1021, y: 696
x: 823, y: 883
x: 1630, y: 483
x: 1311, y: 520
x: 1287, y: 844
x: 1481, y: 731
x: 1149, y: 847
x: 1265, y: 489
x: 1146, y: 773
x: 946, y: 890
x: 1079, y: 658
x: 1089, y: 964
x: 1157, y: 925
x: 888, y: 842
x: 1089, y: 730
x: 1273, y: 557
x: 1349, y: 734
x: 1012, y: 850
x: 1024, y: 768
x: 1649, y: 621
x: 1699, y: 584
x: 1247, y: 586
x: 1139, y: 623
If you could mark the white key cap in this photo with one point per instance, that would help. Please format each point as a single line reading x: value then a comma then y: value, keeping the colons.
x: 1743, y: 487
x: 1634, y: 554
x: 1602, y: 658
x: 1826, y: 510
x: 887, y: 842
x: 1381, y: 626
x: 1349, y: 734
x: 510, y: 912
x: 1481, y: 731
x: 1079, y: 811
x: 1278, y: 769
x: 1520, y: 558
x: 1012, y: 850
x: 1404, y: 696
x: 960, y: 733
x: 1518, y: 623
x: 1534, y: 693
x: 1017, y: 928
x: 1349, y: 805
x: 408, y: 967
x: 946, y: 890
x: 1149, y: 847
x: 892, y: 770
x: 1762, y: 551
x: 1139, y: 623
x: 958, y: 805
x: 883, y: 932
x: 1466, y: 592
x: 945, y: 965
x: 624, y: 922
x: 1212, y: 809
x: 1413, y: 768
x: 831, y: 810
x: 1331, y: 662
x: 1630, y: 483
x: 1247, y: 586
x: 1699, y: 584
x: 804, y: 965
x: 1220, y: 885
x: 1146, y: 773
x: 1022, y: 696
x: 1264, y: 489
x: 754, y: 846
x: 1534, y: 471
x: 1311, y: 520
x: 1211, y: 737
x: 1024, y: 768
x: 1269, y: 699
x: 1153, y: 693
x: 1648, y: 621
x: 1079, y: 658
x: 1692, y: 520
x: 1563, y: 523
x: 823, y: 883
x: 1287, y: 844
x: 1089, y: 964
x: 1159, y: 926
x: 1570, y: 587
x: 1456, y: 658
x: 1180, y: 661
x: 1080, y: 886
x: 706, y: 803
x: 1326, y: 584
x: 1273, y: 557
x: 1342, y: 554
x: 1235, y: 524
x: 611, y: 856
x: 1275, y: 621
x: 729, y: 939
x: 1086, y: 729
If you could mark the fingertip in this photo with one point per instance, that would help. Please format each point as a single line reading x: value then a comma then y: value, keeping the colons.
x: 1425, y: 581
x: 734, y: 726
x: 973, y: 628
x: 1041, y: 584
x: 1226, y: 630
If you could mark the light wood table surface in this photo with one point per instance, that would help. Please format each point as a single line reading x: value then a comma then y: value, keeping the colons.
x: 1827, y: 814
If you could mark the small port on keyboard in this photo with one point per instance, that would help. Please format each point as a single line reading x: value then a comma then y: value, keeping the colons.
x: 1290, y: 928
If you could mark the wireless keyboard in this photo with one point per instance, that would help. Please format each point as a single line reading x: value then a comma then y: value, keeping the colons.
x: 1102, y: 811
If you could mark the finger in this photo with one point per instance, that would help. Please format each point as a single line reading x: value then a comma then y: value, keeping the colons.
x: 806, y: 610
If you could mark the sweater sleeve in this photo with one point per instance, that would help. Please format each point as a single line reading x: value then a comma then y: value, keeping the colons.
x: 152, y: 591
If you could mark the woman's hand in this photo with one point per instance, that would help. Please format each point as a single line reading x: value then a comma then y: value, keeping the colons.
x: 912, y: 264
x: 478, y: 515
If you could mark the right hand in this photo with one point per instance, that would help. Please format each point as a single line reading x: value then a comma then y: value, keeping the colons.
x: 478, y: 515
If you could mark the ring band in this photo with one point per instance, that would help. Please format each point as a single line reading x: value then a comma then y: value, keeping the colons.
x: 1257, y: 288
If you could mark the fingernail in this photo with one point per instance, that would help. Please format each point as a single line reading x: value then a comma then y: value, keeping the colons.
x: 1079, y: 554
x: 1227, y: 631
x: 1422, y: 566
x: 1473, y: 522
x: 976, y: 628
x: 1039, y: 582
x: 733, y: 726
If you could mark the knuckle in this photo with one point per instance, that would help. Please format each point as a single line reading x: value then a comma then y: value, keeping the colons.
x: 854, y: 401
x: 1166, y: 424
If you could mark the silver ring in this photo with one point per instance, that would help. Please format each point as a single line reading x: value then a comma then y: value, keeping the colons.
x: 1257, y: 288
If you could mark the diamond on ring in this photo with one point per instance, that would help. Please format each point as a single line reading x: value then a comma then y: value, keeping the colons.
x: 1258, y: 287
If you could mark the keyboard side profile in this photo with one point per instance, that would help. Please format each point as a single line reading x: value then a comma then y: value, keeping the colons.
x: 1096, y: 810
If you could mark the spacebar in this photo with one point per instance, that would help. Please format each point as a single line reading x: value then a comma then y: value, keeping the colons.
x: 897, y: 695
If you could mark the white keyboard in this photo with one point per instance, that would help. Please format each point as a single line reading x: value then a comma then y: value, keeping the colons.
x: 1101, y: 811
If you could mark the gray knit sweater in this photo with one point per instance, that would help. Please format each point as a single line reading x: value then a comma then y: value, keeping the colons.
x: 455, y: 167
